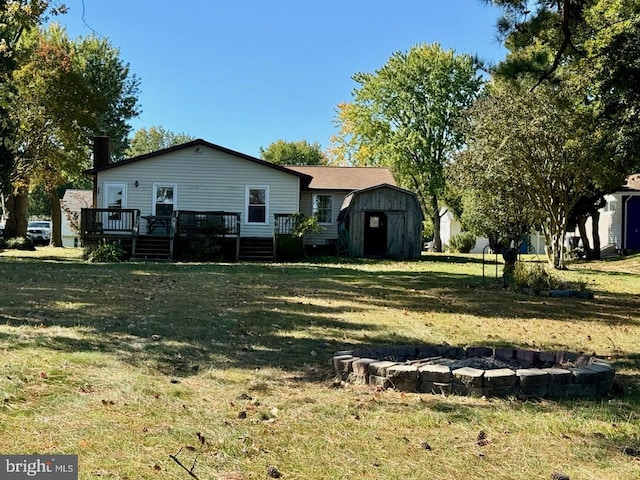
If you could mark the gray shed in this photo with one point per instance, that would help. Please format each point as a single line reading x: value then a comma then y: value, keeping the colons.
x: 380, y: 221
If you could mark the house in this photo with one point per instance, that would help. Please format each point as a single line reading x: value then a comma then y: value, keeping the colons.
x: 450, y: 226
x: 166, y: 200
x: 382, y: 220
x: 619, y: 222
x: 71, y: 204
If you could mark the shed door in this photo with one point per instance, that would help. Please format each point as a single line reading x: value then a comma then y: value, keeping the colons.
x: 396, y: 241
x: 375, y: 233
x: 633, y: 224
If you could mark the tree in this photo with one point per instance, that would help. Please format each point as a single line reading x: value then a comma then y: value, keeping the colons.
x: 596, y: 51
x: 153, y: 139
x: 67, y: 90
x: 17, y: 17
x: 405, y: 116
x: 301, y: 152
x: 511, y: 142
x: 553, y: 25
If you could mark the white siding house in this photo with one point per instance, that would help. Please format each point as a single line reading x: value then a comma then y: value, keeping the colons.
x: 203, y: 177
x: 619, y: 222
x: 450, y: 226
x: 70, y: 205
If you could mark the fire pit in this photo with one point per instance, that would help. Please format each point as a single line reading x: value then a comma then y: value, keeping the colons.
x: 481, y: 371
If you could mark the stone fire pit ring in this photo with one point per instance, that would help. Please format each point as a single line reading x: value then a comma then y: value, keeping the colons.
x: 477, y: 371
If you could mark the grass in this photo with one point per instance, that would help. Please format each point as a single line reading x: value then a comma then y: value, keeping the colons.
x: 226, y: 365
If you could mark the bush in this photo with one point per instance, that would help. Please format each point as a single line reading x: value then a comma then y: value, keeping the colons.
x: 534, y: 276
x: 289, y: 248
x: 19, y: 243
x: 462, y: 243
x: 105, y: 252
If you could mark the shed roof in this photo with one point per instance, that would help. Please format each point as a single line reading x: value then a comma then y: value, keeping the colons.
x: 344, y: 178
x: 349, y: 198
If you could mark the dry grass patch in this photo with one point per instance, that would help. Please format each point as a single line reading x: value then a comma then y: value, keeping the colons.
x: 226, y: 365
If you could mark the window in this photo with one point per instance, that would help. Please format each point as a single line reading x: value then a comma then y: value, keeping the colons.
x: 115, y: 199
x: 323, y: 208
x: 257, y: 200
x: 611, y: 205
x: 164, y: 199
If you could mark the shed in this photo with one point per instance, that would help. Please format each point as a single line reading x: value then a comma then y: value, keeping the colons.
x: 379, y: 221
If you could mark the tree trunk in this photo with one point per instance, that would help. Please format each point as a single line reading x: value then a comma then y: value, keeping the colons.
x: 56, y: 219
x: 595, y: 232
x: 555, y: 251
x: 582, y: 227
x: 16, y: 205
x: 436, y: 245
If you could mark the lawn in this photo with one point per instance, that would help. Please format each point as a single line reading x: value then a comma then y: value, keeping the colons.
x: 225, y: 367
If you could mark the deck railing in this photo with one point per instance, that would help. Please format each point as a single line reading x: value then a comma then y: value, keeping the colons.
x: 285, y: 223
x: 101, y: 222
x: 207, y: 223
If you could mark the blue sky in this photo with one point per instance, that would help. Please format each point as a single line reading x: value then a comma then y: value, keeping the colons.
x: 245, y: 73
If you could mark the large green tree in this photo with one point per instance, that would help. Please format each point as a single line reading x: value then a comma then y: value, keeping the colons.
x: 511, y: 145
x: 301, y: 152
x: 593, y: 46
x: 17, y: 17
x: 405, y: 116
x: 154, y: 138
x: 67, y: 91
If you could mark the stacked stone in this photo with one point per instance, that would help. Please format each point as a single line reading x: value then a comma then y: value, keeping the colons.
x: 406, y: 369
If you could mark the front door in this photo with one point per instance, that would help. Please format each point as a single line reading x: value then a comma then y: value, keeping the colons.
x: 375, y: 234
x: 633, y: 224
x: 115, y: 199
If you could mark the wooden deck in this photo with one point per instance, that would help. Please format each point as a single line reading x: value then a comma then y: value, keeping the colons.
x: 128, y: 226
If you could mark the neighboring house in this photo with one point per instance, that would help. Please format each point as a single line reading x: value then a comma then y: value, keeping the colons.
x: 619, y: 222
x: 198, y: 187
x: 382, y: 220
x: 71, y: 205
x: 451, y: 226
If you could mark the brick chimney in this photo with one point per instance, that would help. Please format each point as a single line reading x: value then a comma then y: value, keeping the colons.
x: 101, y: 157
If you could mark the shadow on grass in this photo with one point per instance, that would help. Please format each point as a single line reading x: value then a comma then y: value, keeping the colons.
x: 184, y: 317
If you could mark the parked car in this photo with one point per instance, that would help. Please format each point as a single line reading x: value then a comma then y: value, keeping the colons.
x: 39, y: 231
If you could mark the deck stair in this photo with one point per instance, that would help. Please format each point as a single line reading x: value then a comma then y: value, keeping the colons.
x: 253, y: 249
x: 152, y: 247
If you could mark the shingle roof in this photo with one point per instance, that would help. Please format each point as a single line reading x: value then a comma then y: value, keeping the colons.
x: 195, y: 143
x: 344, y: 178
x: 633, y: 182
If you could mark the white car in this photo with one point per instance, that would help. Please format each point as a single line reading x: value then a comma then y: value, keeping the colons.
x: 39, y: 231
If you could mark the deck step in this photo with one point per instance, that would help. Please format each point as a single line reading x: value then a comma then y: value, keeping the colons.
x: 254, y: 249
x: 149, y: 247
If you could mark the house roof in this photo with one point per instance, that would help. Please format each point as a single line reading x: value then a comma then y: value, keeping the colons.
x: 344, y: 178
x: 198, y: 143
x: 76, y: 199
x: 633, y: 182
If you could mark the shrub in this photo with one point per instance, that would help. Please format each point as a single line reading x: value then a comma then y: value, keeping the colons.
x: 534, y: 276
x: 462, y: 243
x: 19, y: 243
x: 105, y: 252
x: 289, y: 248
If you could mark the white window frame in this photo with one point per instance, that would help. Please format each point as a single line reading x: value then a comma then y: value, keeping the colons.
x: 247, y: 190
x: 314, y: 207
x: 154, y: 192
